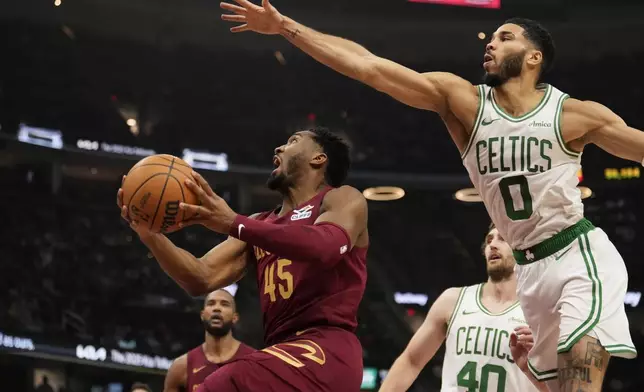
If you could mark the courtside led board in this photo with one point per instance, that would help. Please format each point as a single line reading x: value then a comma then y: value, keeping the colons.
x: 464, y: 3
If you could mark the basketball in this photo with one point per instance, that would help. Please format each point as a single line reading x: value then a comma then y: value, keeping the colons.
x: 153, y: 189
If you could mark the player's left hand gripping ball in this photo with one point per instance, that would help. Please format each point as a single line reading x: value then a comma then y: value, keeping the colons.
x: 213, y: 213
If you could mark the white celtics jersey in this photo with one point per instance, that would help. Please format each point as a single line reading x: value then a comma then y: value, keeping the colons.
x: 523, y: 170
x: 477, y: 349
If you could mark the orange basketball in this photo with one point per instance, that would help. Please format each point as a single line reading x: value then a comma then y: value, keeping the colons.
x: 153, y: 189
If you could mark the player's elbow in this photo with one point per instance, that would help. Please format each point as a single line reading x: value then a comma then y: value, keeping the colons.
x: 329, y: 258
x: 415, y: 362
x: 332, y: 244
x: 196, y: 287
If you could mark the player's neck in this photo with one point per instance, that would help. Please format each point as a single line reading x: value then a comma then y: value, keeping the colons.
x: 517, y: 96
x: 220, y: 349
x: 501, y: 291
x: 300, y: 194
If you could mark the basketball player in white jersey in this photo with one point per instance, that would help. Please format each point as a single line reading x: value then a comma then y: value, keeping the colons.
x: 477, y: 324
x: 521, y: 143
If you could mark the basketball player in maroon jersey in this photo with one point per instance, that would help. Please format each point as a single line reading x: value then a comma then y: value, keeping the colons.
x: 311, y: 269
x: 218, y: 316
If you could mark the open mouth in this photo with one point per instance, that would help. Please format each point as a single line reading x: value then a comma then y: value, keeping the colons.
x: 487, y: 59
x: 495, y: 257
x: 216, y: 318
x: 276, y: 163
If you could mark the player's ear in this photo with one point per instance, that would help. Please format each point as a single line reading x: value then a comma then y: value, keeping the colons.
x: 319, y: 159
x: 535, y: 58
x: 235, y: 317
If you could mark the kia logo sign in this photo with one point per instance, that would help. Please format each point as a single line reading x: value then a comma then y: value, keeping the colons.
x: 91, y: 353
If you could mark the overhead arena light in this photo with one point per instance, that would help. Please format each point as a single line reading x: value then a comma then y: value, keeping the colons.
x: 468, y: 195
x: 471, y: 195
x: 384, y: 193
x: 585, y: 192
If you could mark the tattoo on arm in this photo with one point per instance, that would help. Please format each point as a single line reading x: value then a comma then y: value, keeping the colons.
x: 292, y: 33
x: 594, y: 355
x: 574, y: 375
x: 581, y: 370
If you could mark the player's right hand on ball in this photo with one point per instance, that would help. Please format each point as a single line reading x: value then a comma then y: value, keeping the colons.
x: 141, y: 230
x: 264, y: 20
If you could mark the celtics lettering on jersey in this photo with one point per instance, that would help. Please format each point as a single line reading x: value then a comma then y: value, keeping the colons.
x: 523, y: 170
x: 477, y: 347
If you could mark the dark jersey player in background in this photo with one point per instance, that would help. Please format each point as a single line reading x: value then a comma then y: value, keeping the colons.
x: 311, y: 259
x: 218, y: 317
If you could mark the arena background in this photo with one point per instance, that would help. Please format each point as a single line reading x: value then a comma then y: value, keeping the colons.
x: 89, y: 87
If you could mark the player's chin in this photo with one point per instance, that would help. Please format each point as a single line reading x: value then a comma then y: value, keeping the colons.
x: 275, y: 179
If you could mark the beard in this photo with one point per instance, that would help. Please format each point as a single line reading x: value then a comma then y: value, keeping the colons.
x: 501, y: 272
x: 280, y: 181
x: 218, y: 331
x: 510, y: 68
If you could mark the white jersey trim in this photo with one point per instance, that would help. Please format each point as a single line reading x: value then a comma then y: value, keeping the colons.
x: 477, y: 121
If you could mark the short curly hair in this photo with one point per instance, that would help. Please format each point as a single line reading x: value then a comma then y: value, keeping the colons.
x: 338, y: 153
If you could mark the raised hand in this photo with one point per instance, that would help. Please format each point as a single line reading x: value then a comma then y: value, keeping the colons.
x: 264, y: 20
x: 213, y: 213
x: 521, y: 342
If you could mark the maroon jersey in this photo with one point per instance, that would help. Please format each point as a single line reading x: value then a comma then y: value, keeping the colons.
x: 296, y: 295
x: 199, y: 367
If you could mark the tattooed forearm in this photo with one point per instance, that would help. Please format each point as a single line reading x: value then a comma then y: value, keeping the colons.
x: 291, y: 33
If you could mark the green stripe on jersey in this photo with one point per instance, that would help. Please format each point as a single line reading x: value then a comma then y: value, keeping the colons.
x: 558, y: 133
x: 544, y: 100
x: 596, y: 293
x: 479, y: 302
x: 461, y: 294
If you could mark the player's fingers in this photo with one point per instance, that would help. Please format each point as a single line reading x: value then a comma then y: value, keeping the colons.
x: 525, y: 337
x: 246, y: 4
x: 134, y: 225
x: 233, y: 18
x: 197, y: 190
x: 523, y: 330
x: 194, y: 211
x: 266, y: 4
x: 203, y: 183
x: 233, y: 8
x: 513, y: 340
x: 239, y: 29
x: 124, y: 214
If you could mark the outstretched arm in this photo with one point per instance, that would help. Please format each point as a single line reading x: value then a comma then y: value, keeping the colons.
x: 427, y: 91
x: 423, y: 346
x: 430, y: 91
x: 587, y: 122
